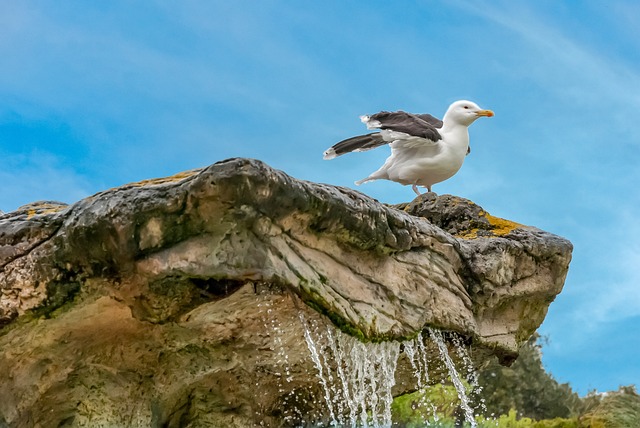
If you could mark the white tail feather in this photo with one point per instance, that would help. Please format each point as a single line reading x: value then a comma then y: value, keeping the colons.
x: 364, y: 180
x: 371, y: 124
x: 328, y: 154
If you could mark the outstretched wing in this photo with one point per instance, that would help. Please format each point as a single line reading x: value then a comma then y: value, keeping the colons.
x: 411, y: 125
x: 400, y: 121
x: 355, y: 144
x: 431, y: 120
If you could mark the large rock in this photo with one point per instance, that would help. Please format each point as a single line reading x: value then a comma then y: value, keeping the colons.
x: 175, y: 302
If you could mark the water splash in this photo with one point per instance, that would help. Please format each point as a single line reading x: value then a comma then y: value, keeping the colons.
x: 315, y: 357
x: 472, y: 373
x: 274, y: 329
x: 417, y: 355
x: 455, y: 377
x: 356, y: 377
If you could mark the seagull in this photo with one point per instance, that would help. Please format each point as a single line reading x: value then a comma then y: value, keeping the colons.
x: 424, y: 150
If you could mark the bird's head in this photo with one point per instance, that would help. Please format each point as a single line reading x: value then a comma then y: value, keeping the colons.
x: 465, y: 113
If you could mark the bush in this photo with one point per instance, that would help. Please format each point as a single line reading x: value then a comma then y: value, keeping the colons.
x: 523, y: 396
x: 511, y: 420
x: 435, y: 405
x: 620, y: 409
x: 525, y: 386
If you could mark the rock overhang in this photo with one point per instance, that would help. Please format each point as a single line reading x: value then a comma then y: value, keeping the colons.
x: 377, y: 272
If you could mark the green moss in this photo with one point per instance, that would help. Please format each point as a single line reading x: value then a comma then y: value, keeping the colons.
x: 417, y: 409
x: 369, y: 243
x: 318, y: 304
x: 338, y: 321
x: 59, y: 295
x: 420, y: 409
x: 16, y: 323
x: 323, y: 279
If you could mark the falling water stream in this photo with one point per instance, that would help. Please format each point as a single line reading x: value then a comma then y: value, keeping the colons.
x: 357, y: 377
x: 455, y: 377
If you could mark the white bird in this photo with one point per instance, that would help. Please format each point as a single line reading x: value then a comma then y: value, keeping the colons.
x: 424, y: 149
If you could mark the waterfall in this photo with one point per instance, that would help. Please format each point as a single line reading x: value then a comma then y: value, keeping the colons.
x: 357, y: 377
x: 416, y: 353
x: 455, y: 377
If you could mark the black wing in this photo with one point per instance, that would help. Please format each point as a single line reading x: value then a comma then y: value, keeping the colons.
x: 355, y: 144
x: 408, y: 123
x: 431, y: 120
x: 420, y: 125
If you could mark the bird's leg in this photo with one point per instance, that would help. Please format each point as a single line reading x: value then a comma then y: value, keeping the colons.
x: 429, y: 189
x: 415, y: 189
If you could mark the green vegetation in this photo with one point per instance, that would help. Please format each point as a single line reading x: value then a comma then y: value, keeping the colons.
x: 438, y: 403
x: 526, y: 387
x: 521, y: 396
x: 619, y: 409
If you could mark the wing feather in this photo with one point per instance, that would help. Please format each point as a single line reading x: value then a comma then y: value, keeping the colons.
x: 431, y: 120
x: 402, y: 128
x: 355, y: 144
x: 408, y: 123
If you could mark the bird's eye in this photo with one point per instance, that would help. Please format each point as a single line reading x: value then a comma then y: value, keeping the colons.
x: 466, y: 107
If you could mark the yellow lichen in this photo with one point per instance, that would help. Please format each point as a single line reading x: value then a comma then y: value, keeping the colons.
x: 501, y: 226
x: 43, y: 209
x: 173, y: 178
x: 498, y: 227
x: 468, y: 234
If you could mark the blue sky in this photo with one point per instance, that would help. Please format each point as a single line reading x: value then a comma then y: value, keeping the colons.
x: 98, y: 94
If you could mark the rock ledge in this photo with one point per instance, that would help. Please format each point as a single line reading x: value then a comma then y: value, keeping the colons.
x: 174, y: 266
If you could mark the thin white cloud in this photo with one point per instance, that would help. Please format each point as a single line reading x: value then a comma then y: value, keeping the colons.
x: 591, y: 77
x: 38, y: 176
x: 591, y: 152
x: 618, y: 259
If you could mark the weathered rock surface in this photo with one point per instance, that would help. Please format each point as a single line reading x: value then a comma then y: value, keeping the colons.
x: 171, y: 302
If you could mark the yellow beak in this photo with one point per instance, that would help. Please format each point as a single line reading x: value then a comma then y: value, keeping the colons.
x: 487, y: 113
